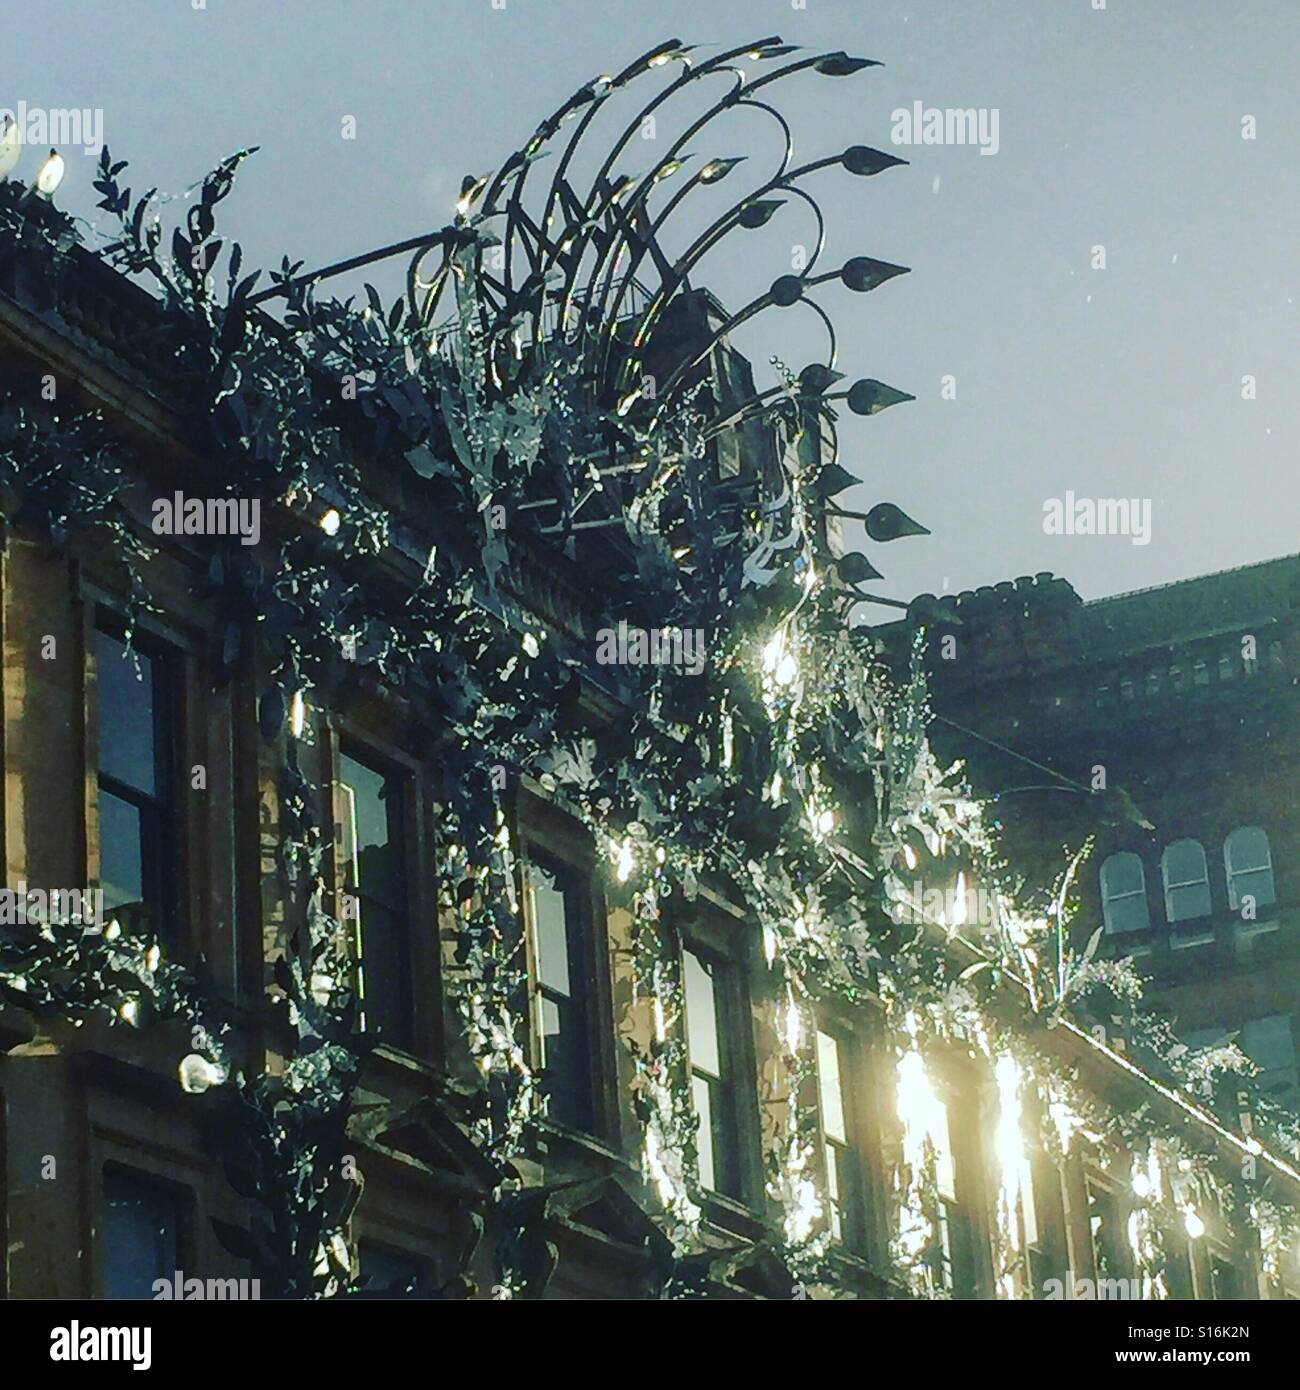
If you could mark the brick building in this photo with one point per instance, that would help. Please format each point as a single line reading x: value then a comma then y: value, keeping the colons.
x: 1184, y: 697
x: 108, y: 1180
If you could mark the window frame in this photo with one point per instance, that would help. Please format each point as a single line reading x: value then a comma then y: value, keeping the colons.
x: 1230, y: 874
x: 1109, y: 1245
x: 420, y: 1264
x: 162, y: 813
x: 545, y: 831
x: 1107, y: 898
x: 959, y: 1226
x: 726, y: 948
x: 961, y: 1211
x: 182, y: 1197
x: 1169, y: 887
x: 580, y: 967
x: 853, y: 1218
x: 421, y: 1035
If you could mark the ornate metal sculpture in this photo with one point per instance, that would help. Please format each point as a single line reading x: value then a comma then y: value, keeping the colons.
x: 568, y: 261
x: 578, y: 263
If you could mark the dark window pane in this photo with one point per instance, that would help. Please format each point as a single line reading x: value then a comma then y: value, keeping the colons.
x: 1187, y: 888
x: 1248, y: 862
x: 1127, y: 914
x: 558, y: 920
x: 375, y: 873
x: 1184, y: 862
x: 566, y: 1063
x: 141, y: 1235
x: 1257, y: 885
x: 385, y: 971
x: 121, y: 851
x: 1223, y: 1280
x: 391, y: 1272
x: 1122, y: 873
x: 372, y: 833
x: 127, y: 718
x: 1192, y: 900
x: 1123, y: 893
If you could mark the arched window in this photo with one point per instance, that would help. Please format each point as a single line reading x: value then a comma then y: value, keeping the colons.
x: 1249, y: 867
x: 1187, y: 881
x: 1124, y: 893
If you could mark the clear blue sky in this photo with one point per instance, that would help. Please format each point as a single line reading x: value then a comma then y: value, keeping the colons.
x: 1119, y: 127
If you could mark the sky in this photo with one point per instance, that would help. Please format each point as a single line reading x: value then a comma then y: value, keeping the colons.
x: 1167, y: 377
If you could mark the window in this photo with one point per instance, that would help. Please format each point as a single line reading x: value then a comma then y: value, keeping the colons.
x: 939, y: 1236
x: 1108, y: 1226
x: 1176, y: 677
x: 1153, y: 684
x: 1226, y: 668
x: 1269, y: 1043
x: 389, y: 1273
x: 952, y: 1251
x: 1200, y: 673
x: 1186, y: 879
x: 374, y: 871
x: 140, y: 1234
x: 558, y: 906
x: 712, y: 1092
x: 137, y: 803
x: 1224, y: 1284
x: 1126, y: 688
x: 1249, y: 868
x: 843, y: 1170
x: 1124, y: 893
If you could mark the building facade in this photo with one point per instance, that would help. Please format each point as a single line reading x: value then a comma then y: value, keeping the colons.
x: 1163, y: 724
x: 144, y: 758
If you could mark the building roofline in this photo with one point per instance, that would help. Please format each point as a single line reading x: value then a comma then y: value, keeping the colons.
x: 1192, y: 579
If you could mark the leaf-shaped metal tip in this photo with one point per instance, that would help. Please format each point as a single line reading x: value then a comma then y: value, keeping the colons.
x: 864, y: 161
x: 718, y: 169
x: 758, y: 212
x: 471, y: 189
x: 668, y: 53
x: 786, y: 290
x: 855, y: 568
x: 886, y: 522
x: 841, y: 65
x: 772, y: 50
x: 816, y: 378
x: 863, y: 273
x: 870, y: 397
x: 833, y: 479
x: 668, y: 168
